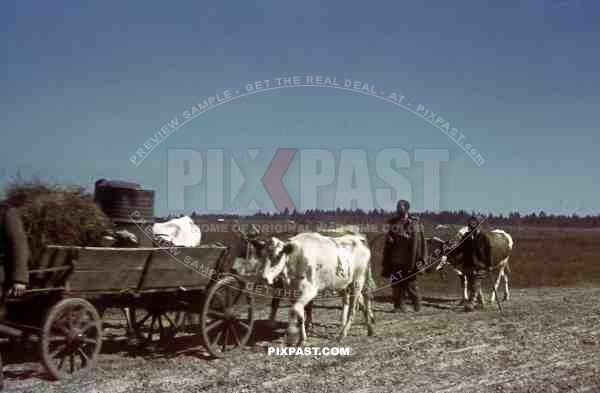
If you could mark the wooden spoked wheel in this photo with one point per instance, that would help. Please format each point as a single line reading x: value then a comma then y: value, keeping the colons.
x: 150, y: 324
x: 227, y: 316
x: 71, y: 338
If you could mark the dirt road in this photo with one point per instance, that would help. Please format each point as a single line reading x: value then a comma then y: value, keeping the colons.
x: 547, y: 340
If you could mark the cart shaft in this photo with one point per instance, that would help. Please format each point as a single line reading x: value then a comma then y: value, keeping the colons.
x: 10, y: 331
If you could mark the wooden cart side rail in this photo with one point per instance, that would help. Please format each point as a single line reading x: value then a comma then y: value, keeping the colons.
x: 39, y: 290
x: 122, y: 297
x: 112, y: 269
x: 51, y: 269
x: 108, y: 269
x: 69, y: 261
x: 190, y: 267
x: 132, y: 249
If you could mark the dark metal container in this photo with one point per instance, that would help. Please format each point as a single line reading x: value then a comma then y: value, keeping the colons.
x: 128, y: 206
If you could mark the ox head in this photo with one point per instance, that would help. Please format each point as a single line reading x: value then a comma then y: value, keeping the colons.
x: 454, y: 249
x: 437, y: 250
x: 248, y: 257
x: 276, y: 259
x: 259, y: 256
x: 442, y: 252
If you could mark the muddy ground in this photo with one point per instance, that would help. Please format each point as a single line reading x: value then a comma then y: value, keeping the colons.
x: 546, y: 340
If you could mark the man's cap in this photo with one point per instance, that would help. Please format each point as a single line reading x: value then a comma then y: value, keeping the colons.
x: 403, y: 202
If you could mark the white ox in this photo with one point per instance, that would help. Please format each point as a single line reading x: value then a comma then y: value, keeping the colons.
x: 311, y: 262
x: 180, y: 232
x: 502, y: 267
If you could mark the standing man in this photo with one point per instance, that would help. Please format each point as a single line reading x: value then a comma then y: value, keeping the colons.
x: 14, y: 256
x: 403, y: 256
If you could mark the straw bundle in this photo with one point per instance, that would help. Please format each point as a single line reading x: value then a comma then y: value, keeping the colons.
x: 64, y: 215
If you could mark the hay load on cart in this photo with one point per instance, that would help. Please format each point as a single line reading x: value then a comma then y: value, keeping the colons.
x: 63, y: 215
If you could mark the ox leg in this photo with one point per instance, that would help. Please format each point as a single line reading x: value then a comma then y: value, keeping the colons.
x: 474, y: 281
x: 355, y: 290
x: 308, y: 313
x: 362, y: 305
x: 297, y: 316
x: 275, y: 302
x: 506, y: 291
x: 497, y: 285
x: 345, y: 307
x: 368, y: 312
x: 501, y: 276
x: 479, y: 295
x: 481, y: 298
x: 274, y: 308
x: 464, y: 285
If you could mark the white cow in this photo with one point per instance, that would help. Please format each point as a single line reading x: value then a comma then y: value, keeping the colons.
x: 502, y: 267
x: 180, y: 232
x: 311, y: 262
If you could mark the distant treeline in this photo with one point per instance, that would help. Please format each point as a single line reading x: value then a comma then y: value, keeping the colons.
x: 344, y: 216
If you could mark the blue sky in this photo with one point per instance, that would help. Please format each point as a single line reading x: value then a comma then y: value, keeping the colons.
x: 84, y: 88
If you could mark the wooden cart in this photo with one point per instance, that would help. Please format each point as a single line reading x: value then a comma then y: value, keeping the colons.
x: 72, y: 286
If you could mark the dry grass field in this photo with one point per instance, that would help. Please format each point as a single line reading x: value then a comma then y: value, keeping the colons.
x: 547, y: 339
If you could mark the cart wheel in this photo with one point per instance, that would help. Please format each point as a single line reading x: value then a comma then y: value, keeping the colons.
x: 227, y: 316
x: 149, y: 323
x: 72, y: 334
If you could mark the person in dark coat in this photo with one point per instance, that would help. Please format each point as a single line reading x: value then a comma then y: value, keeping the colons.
x: 404, y: 256
x: 14, y: 256
x: 14, y: 251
